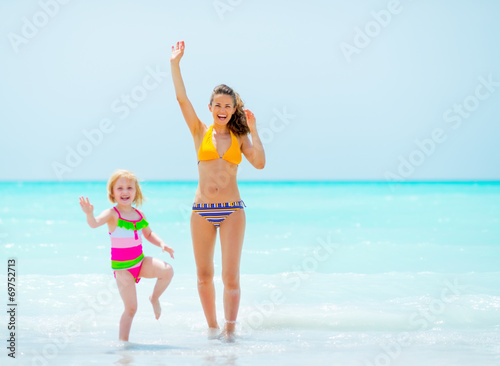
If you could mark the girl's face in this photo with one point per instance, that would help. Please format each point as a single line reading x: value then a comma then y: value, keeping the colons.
x: 124, y: 191
x: 222, y: 108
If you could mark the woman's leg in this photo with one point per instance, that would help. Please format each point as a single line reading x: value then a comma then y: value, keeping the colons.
x: 232, y: 232
x: 203, y: 234
x: 156, y: 268
x: 126, y: 287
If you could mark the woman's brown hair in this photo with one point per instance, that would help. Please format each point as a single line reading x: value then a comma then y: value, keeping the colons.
x: 238, y: 122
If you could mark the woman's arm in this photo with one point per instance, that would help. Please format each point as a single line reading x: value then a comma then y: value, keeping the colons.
x: 88, y: 209
x: 253, y: 150
x: 187, y: 109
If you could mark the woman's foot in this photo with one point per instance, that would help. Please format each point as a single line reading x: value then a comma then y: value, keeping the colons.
x: 227, y: 336
x: 156, y: 307
x: 228, y: 333
x: 213, y: 333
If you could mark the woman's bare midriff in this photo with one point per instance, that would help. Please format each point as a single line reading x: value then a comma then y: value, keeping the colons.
x: 217, y: 183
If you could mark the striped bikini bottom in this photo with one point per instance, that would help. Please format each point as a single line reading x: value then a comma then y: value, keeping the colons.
x: 216, y: 213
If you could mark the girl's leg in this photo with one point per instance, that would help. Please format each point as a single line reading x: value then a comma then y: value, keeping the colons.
x: 126, y: 287
x: 203, y: 234
x: 156, y: 268
x: 232, y: 231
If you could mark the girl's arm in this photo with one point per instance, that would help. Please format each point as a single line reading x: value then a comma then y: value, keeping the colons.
x: 88, y: 209
x: 187, y: 109
x: 155, y: 239
x: 253, y: 150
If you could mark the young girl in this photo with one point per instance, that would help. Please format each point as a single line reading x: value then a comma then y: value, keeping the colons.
x: 126, y: 226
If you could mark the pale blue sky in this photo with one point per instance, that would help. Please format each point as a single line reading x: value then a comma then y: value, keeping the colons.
x: 342, y: 90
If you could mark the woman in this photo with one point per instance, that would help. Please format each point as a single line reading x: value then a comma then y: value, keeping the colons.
x: 217, y: 202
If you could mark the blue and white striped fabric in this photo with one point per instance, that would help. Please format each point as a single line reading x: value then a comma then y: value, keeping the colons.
x: 216, y: 213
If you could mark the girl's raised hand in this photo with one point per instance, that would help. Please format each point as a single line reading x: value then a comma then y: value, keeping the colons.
x: 86, y: 206
x: 250, y: 120
x: 177, y: 52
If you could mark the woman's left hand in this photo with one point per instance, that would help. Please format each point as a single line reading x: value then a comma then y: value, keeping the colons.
x: 250, y: 120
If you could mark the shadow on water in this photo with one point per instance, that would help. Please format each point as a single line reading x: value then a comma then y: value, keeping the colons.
x: 129, y: 352
x: 229, y: 360
x: 149, y: 347
x: 129, y: 346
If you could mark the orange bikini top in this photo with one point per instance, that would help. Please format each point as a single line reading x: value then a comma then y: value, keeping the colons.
x: 209, y: 152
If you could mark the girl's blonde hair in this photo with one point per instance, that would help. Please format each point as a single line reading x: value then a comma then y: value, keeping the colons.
x: 122, y: 173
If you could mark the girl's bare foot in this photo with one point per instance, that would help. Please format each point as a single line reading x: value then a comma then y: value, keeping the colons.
x: 156, y: 307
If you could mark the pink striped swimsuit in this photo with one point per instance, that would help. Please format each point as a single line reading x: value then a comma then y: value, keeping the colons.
x: 126, y: 245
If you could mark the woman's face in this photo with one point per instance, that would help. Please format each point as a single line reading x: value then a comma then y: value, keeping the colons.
x: 222, y: 108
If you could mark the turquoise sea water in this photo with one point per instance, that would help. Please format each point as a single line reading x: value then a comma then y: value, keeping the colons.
x: 332, y: 274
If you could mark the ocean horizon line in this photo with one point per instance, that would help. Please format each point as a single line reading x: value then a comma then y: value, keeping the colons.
x: 285, y: 181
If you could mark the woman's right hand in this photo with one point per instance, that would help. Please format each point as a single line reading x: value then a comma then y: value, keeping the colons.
x: 177, y: 52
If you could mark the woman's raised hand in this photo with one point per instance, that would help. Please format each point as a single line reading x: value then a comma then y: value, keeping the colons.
x: 250, y: 120
x: 177, y: 52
